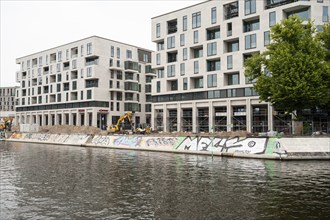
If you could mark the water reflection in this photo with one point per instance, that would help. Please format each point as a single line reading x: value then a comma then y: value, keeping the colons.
x: 57, y: 182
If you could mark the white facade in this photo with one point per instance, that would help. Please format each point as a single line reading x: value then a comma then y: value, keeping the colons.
x: 92, y: 82
x: 201, y: 49
x: 7, y: 101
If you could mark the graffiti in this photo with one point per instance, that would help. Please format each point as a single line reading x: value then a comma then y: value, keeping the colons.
x: 279, y: 150
x: 16, y: 136
x: 2, y: 135
x: 128, y: 141
x: 161, y: 141
x: 101, y: 140
x: 44, y: 137
x: 236, y: 144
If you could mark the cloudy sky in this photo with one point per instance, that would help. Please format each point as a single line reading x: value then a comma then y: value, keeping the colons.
x: 31, y: 26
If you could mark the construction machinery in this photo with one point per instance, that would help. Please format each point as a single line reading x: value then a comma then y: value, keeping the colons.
x: 118, y: 128
x: 144, y: 129
x: 6, y: 123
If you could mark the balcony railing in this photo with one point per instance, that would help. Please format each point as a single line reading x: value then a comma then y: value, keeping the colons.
x: 277, y: 3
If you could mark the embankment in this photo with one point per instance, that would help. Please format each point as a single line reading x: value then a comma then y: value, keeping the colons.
x: 248, y: 147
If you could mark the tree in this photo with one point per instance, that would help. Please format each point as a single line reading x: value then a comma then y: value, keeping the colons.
x: 292, y: 74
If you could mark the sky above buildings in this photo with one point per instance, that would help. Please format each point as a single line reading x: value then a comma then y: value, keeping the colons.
x: 31, y: 26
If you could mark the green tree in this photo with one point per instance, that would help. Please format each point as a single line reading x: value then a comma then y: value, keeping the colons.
x: 292, y: 74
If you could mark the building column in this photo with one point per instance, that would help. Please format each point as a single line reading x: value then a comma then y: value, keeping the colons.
x: 86, y: 118
x: 152, y: 118
x: 194, y: 117
x: 229, y: 116
x: 94, y: 121
x: 249, y: 113
x: 211, y: 117
x: 178, y: 120
x: 270, y: 117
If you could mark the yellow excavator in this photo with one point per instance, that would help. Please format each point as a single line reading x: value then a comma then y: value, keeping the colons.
x: 116, y: 128
x: 6, y: 123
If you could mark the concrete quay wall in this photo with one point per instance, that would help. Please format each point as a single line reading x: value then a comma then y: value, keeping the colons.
x: 247, y: 147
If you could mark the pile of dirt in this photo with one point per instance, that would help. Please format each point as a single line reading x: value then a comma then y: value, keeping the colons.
x: 69, y: 129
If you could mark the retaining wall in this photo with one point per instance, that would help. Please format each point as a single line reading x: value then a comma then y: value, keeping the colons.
x: 252, y: 147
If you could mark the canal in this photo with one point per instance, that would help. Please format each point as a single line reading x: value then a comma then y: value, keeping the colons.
x: 64, y: 182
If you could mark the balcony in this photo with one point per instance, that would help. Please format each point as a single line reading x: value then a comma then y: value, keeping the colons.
x: 277, y: 3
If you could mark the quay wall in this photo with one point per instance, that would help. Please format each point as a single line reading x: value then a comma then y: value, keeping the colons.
x: 248, y: 147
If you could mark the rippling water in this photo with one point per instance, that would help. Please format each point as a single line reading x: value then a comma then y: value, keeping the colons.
x: 63, y: 182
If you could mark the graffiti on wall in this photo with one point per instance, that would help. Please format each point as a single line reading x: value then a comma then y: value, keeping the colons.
x: 130, y: 141
x: 160, y: 141
x: 236, y: 144
x: 101, y: 140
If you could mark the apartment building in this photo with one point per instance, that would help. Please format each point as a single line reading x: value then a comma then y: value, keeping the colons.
x: 7, y: 101
x: 90, y: 82
x: 199, y: 63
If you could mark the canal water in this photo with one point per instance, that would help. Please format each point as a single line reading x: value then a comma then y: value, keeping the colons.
x: 64, y: 182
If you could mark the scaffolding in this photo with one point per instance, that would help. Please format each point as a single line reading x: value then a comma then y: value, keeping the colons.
x: 259, y: 118
x: 172, y: 120
x: 203, y: 120
x: 159, y: 120
x: 186, y: 120
x: 239, y: 118
x: 220, y: 119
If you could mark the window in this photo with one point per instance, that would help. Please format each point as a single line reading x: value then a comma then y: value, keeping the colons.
x: 250, y: 41
x: 128, y: 54
x: 325, y: 16
x: 195, y: 36
x: 172, y: 26
x: 174, y: 85
x: 118, y: 52
x: 212, y: 80
x: 198, y: 83
x: 171, y: 70
x: 184, y: 54
x: 213, y: 65
x: 266, y: 38
x: 196, y: 20
x: 182, y: 69
x: 89, y: 71
x: 74, y: 64
x: 185, y: 83
x: 303, y: 13
x: 40, y: 61
x: 182, y: 40
x: 158, y: 86
x: 160, y: 46
x: 213, y: 34
x: 233, y: 79
x: 229, y: 29
x: 272, y: 18
x: 233, y: 46
x: 81, y: 73
x: 160, y: 73
x: 82, y: 50
x: 170, y: 42
x: 67, y: 54
x: 214, y: 15
x: 196, y: 67
x: 92, y: 83
x: 74, y: 85
x: 184, y: 23
x: 89, y: 94
x: 250, y: 7
x: 112, y: 51
x: 198, y: 52
x: 251, y: 25
x: 158, y: 30
x: 58, y: 67
x: 231, y: 10
x: 158, y: 58
x: 172, y: 56
x: 89, y: 48
x: 211, y: 49
x: 320, y: 1
x: 59, y: 56
x: 229, y: 62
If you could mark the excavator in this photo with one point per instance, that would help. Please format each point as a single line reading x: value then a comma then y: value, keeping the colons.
x: 6, y: 123
x: 116, y: 128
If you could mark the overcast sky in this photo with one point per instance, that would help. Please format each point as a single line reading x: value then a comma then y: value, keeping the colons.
x: 31, y: 26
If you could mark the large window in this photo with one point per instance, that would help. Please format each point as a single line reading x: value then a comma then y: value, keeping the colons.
x: 196, y: 66
x: 231, y: 10
x: 89, y: 48
x: 184, y: 54
x: 211, y: 49
x: 325, y: 16
x: 92, y: 83
x: 172, y: 26
x: 185, y: 83
x: 272, y: 18
x: 157, y: 30
x: 303, y: 13
x: 196, y: 20
x: 213, y: 65
x: 198, y: 52
x: 212, y: 80
x: 158, y: 86
x: 214, y: 15
x: 212, y: 34
x: 233, y: 46
x: 198, y: 83
x: 182, y: 40
x: 250, y: 41
x: 128, y: 54
x: 182, y: 69
x: 170, y: 42
x: 250, y: 7
x: 233, y: 79
x: 251, y: 25
x: 171, y: 70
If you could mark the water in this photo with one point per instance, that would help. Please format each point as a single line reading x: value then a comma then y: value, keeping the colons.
x: 63, y: 182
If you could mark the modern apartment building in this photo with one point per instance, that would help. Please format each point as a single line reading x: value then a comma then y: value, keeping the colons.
x: 91, y: 82
x: 7, y: 101
x: 199, y: 63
